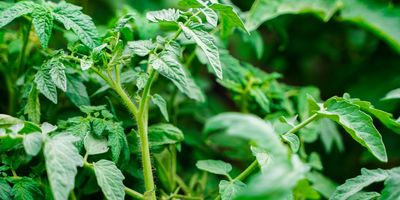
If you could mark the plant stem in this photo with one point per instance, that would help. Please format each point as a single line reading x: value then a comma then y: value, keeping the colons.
x: 247, y: 171
x: 133, y: 193
x: 302, y: 124
x: 126, y: 100
x: 142, y: 123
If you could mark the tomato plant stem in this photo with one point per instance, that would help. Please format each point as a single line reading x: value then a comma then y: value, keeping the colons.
x: 133, y: 193
x: 302, y: 124
x: 247, y: 171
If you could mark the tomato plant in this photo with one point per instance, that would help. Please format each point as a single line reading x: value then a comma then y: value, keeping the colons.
x: 156, y: 105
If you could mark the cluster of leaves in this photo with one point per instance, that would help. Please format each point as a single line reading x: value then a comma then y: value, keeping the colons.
x: 96, y: 152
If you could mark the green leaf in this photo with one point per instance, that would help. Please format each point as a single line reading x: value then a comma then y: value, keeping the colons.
x: 381, y: 19
x: 211, y: 16
x: 33, y: 143
x: 5, y: 190
x: 109, y: 178
x: 161, y: 104
x: 385, y: 117
x: 95, y: 145
x: 26, y: 189
x: 15, y: 11
x: 167, y: 64
x: 228, y: 190
x: 394, y: 94
x: 303, y: 190
x: 214, y: 166
x: 32, y: 108
x: 42, y: 20
x: 76, y: 92
x: 140, y: 47
x: 321, y: 183
x: 57, y: 73
x: 191, y: 3
x: 365, y: 196
x: 169, y: 15
x: 229, y: 19
x: 86, y: 63
x: 392, y: 185
x: 206, y: 42
x: 45, y: 85
x: 358, y: 124
x: 162, y: 134
x: 354, y: 185
x: 117, y: 141
x: 72, y: 18
x: 261, y: 99
x: 293, y: 141
x: 98, y: 126
x: 264, y: 10
x: 330, y: 135
x: 62, y: 159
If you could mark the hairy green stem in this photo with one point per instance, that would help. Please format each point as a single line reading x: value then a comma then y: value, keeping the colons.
x: 142, y: 124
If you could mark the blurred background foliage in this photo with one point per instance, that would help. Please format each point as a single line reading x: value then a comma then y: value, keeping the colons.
x: 336, y: 56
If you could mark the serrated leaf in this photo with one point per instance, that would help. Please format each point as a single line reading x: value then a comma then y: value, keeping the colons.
x: 228, y: 190
x: 57, y: 73
x: 169, y: 15
x: 293, y: 141
x: 229, y: 19
x: 206, y: 42
x: 358, y: 124
x: 214, y: 166
x: 264, y: 10
x: 140, y: 47
x: 117, y: 141
x: 26, y: 189
x: 392, y: 185
x: 98, y: 126
x: 33, y: 143
x: 394, y: 94
x: 42, y: 20
x: 211, y: 16
x: 109, y: 178
x: 45, y: 85
x: 72, y: 18
x: 167, y: 64
x: 62, y: 159
x: 17, y: 10
x: 161, y: 104
x: 32, y: 108
x: 95, y: 145
x: 5, y: 190
x: 162, y: 134
x: 354, y: 185
x: 76, y: 92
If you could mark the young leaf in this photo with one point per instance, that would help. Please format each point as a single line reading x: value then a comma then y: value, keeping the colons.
x: 45, y: 85
x: 62, y: 159
x: 109, y: 178
x: 293, y: 141
x: 354, y: 185
x: 358, y: 124
x: 86, y: 63
x: 95, y: 145
x: 73, y: 18
x: 140, y: 47
x: 57, y: 73
x: 167, y: 64
x: 42, y: 20
x: 229, y: 189
x: 394, y: 94
x: 229, y: 19
x: 214, y: 166
x: 76, y: 92
x: 392, y: 185
x: 26, y: 189
x: 206, y: 42
x: 169, y: 15
x: 330, y: 135
x: 5, y: 190
x: 211, y: 16
x: 17, y: 10
x: 32, y: 108
x: 162, y: 105
x: 117, y: 141
x: 261, y: 99
x: 33, y: 143
x: 321, y: 183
